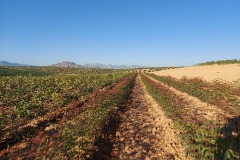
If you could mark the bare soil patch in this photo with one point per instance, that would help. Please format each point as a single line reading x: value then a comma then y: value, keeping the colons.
x: 229, y: 73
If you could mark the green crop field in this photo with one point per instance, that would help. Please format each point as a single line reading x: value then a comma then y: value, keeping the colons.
x: 65, y: 113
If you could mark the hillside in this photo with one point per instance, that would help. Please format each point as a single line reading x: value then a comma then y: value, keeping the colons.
x: 110, y: 66
x: 6, y: 63
x: 95, y: 65
x: 66, y: 64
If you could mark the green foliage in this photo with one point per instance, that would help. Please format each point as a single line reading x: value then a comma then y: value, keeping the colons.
x: 27, y: 97
x: 77, y: 137
x: 231, y: 155
x: 12, y: 71
x: 48, y: 70
x: 220, y: 62
x: 24, y: 110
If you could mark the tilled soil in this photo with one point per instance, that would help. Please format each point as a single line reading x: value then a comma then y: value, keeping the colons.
x: 145, y: 132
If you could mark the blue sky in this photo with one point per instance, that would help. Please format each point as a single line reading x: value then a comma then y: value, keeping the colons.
x: 144, y: 32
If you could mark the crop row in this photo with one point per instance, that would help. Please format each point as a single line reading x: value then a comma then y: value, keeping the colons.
x: 220, y: 94
x: 47, y: 70
x: 204, y: 139
x: 76, y: 138
x: 23, y: 98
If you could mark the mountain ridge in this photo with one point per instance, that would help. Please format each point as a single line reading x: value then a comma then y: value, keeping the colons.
x: 6, y: 63
x: 110, y: 66
x: 67, y: 64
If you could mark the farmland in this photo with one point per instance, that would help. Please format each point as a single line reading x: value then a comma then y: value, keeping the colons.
x: 77, y: 113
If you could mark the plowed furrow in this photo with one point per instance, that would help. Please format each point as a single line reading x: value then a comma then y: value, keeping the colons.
x: 145, y: 132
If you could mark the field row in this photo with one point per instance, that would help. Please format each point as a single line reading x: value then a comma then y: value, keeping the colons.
x: 85, y: 125
x: 25, y: 98
x: 204, y: 139
x: 222, y: 95
x: 48, y: 70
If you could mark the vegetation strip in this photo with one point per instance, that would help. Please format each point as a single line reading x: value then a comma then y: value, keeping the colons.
x: 222, y: 62
x: 221, y: 95
x: 49, y: 70
x: 90, y: 106
x: 25, y: 98
x: 39, y: 122
x: 80, y: 134
x: 204, y: 138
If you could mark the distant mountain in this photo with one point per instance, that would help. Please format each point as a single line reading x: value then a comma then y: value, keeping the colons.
x: 95, y: 65
x: 67, y: 64
x: 110, y: 66
x: 74, y: 65
x: 6, y: 63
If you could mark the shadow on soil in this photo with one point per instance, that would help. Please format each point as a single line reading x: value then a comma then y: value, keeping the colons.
x: 103, y: 146
x: 229, y: 143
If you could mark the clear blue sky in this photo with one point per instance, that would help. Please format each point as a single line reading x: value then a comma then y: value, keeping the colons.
x: 145, y: 32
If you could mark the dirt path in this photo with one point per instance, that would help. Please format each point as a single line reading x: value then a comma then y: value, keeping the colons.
x: 145, y: 132
x: 197, y: 106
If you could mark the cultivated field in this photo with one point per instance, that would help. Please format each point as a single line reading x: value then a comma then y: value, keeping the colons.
x: 71, y: 113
